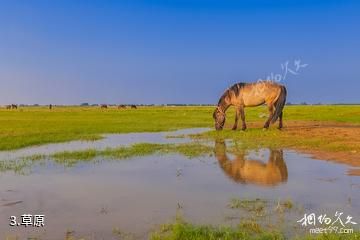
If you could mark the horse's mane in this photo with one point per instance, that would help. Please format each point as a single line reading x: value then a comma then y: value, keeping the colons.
x: 234, y: 88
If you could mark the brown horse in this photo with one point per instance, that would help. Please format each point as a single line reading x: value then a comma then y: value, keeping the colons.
x: 246, y: 171
x: 14, y: 106
x: 8, y: 106
x: 103, y: 106
x: 121, y: 106
x: 243, y: 95
x: 133, y: 106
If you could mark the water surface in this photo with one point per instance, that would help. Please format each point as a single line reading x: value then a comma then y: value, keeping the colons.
x: 137, y: 194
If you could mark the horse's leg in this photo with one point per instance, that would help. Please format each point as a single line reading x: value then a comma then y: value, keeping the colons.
x: 242, y: 114
x: 280, y: 120
x: 237, y: 113
x: 271, y: 113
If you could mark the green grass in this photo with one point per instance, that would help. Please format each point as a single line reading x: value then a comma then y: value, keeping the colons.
x: 189, y: 150
x: 260, y: 208
x: 252, y: 205
x: 34, y: 126
x: 38, y: 125
x: 182, y: 230
x: 71, y: 158
x: 287, y: 204
x: 17, y: 166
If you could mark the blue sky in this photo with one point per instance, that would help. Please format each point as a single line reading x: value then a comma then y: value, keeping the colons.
x: 69, y: 52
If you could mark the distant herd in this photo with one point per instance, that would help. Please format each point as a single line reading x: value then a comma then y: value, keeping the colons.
x: 102, y: 106
x: 119, y: 106
x: 12, y: 106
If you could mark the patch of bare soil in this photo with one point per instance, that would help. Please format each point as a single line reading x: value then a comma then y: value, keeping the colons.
x: 338, y: 142
x: 338, y: 136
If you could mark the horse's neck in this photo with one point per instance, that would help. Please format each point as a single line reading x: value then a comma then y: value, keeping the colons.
x: 223, y: 106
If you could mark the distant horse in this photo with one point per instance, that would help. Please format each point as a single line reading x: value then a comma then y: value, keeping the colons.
x: 50, y: 106
x: 243, y: 95
x: 103, y: 106
x: 8, y: 106
x: 133, y: 106
x: 121, y: 106
x: 14, y: 106
x: 243, y: 170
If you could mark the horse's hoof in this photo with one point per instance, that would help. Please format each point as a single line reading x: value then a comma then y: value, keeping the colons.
x: 234, y: 128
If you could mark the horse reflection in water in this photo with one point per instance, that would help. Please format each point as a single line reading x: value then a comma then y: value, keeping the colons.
x: 246, y: 171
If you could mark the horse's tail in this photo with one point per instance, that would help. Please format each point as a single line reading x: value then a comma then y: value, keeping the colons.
x: 280, y: 103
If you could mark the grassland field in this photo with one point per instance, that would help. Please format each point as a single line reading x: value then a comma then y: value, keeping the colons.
x: 30, y: 126
x: 331, y: 129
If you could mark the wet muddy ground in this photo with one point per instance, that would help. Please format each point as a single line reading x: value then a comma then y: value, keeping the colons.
x: 136, y: 195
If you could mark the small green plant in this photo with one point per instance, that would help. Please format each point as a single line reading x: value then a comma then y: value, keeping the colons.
x: 251, y: 205
x: 182, y: 230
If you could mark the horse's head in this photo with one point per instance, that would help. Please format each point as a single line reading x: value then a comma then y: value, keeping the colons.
x: 219, y: 117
